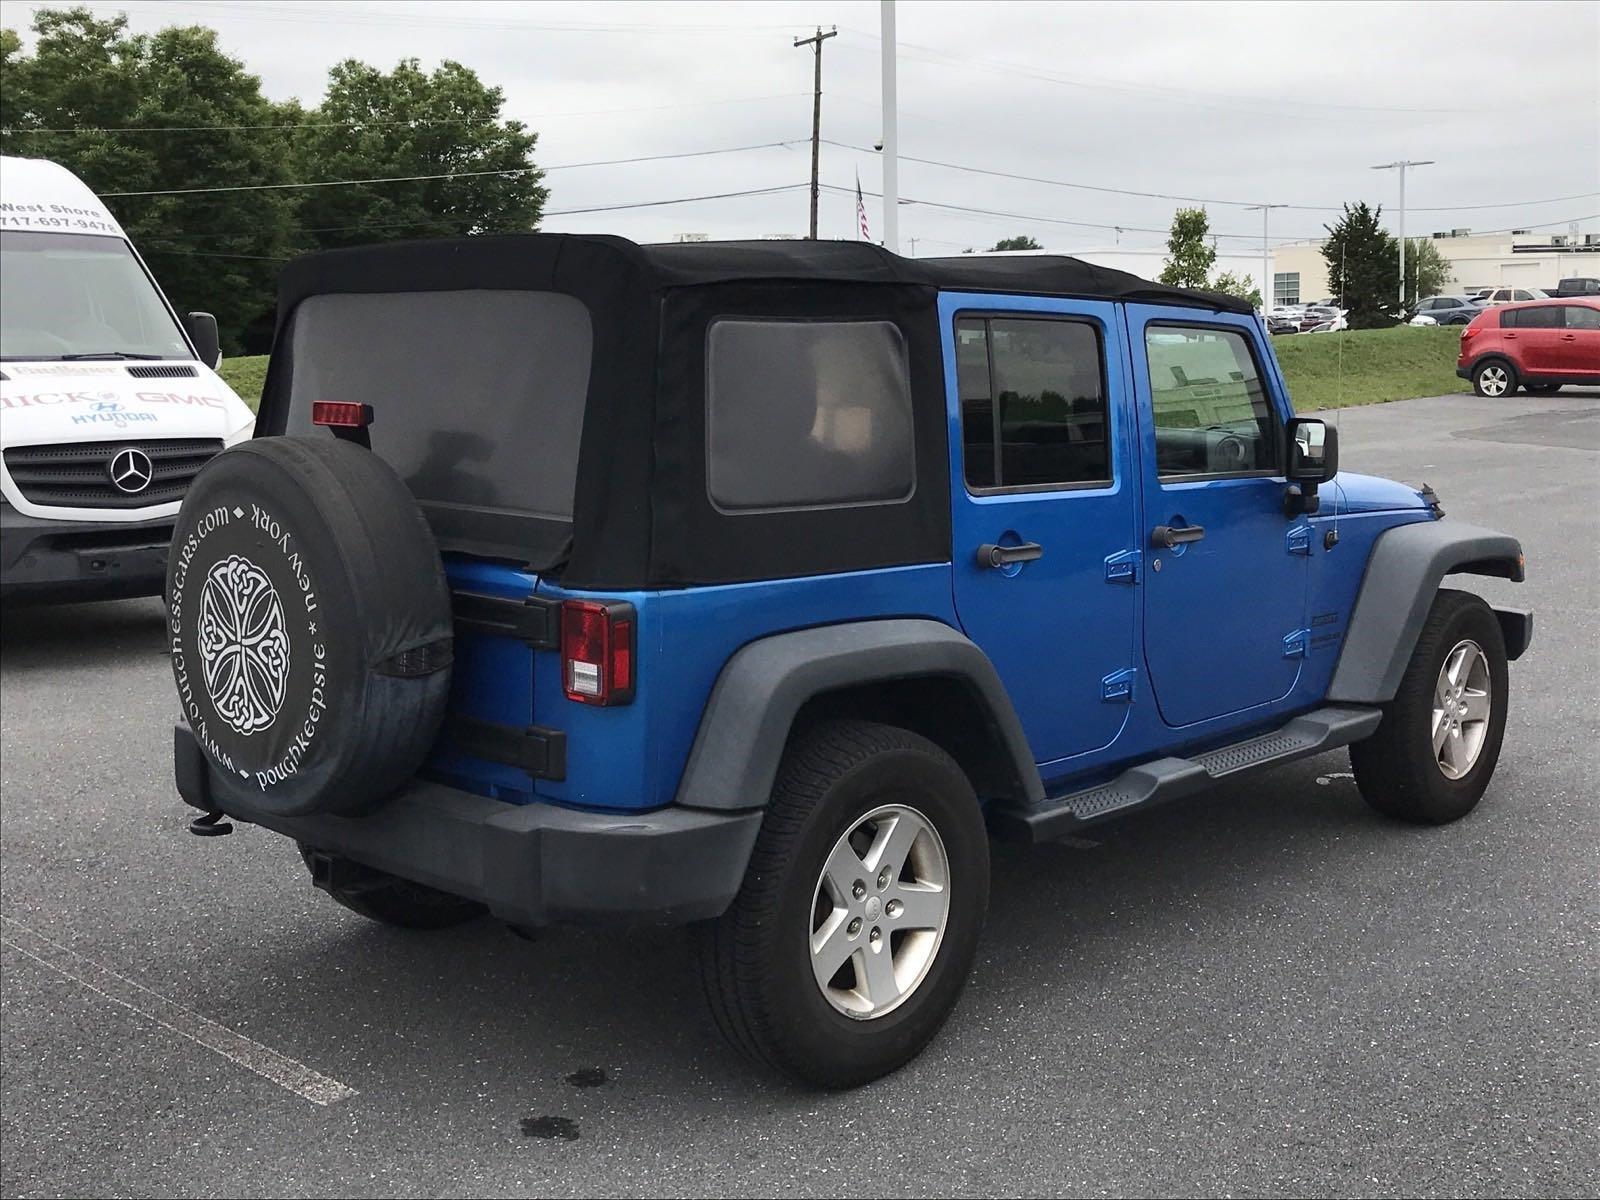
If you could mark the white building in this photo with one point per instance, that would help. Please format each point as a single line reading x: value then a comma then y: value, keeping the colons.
x: 1300, y: 275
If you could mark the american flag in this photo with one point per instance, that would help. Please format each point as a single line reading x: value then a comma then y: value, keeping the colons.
x: 861, y: 211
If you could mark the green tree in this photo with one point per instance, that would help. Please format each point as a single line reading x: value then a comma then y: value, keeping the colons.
x: 160, y: 112
x: 373, y: 125
x: 1021, y: 242
x: 1363, y: 266
x: 1190, y: 257
x: 1230, y: 284
x: 1427, y: 271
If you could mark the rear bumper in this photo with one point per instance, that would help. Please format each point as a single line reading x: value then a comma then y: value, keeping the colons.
x: 46, y: 559
x: 1463, y: 372
x: 530, y: 864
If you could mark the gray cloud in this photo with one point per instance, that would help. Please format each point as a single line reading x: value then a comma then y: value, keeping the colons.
x: 1288, y: 103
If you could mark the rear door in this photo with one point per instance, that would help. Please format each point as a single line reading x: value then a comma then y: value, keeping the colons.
x: 1224, y: 603
x: 1044, y: 497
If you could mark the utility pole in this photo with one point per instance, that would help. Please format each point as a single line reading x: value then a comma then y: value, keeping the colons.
x: 891, y: 133
x: 1401, y: 166
x: 1269, y: 295
x: 913, y: 242
x: 816, y: 115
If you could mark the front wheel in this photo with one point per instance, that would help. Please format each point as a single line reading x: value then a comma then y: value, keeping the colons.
x: 1494, y: 379
x: 1435, y: 751
x: 859, y: 915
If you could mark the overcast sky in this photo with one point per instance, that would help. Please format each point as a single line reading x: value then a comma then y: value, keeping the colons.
x: 1287, y: 103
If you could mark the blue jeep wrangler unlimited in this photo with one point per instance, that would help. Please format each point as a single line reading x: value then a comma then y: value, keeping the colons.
x: 755, y: 585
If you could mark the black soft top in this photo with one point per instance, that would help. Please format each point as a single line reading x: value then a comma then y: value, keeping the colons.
x: 641, y: 514
x: 614, y: 260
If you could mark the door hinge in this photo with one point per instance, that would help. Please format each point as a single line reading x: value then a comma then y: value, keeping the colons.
x: 1118, y: 686
x: 1298, y: 540
x: 542, y: 753
x: 1123, y: 567
x: 1295, y: 644
x: 533, y: 619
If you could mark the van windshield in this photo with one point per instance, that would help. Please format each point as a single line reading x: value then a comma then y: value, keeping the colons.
x: 71, y: 295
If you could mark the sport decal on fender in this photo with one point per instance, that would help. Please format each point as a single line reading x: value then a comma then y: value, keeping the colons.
x: 244, y: 647
x: 252, y: 622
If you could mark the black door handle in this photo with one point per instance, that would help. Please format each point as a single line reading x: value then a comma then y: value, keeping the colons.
x: 991, y: 555
x: 1165, y: 537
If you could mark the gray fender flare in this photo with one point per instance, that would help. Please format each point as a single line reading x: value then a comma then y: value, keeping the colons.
x: 753, y: 704
x: 1403, y: 575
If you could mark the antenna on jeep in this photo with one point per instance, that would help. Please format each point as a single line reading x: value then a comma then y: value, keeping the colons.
x: 1338, y: 387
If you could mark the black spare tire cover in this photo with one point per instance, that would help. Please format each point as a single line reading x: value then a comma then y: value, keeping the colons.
x: 309, y: 626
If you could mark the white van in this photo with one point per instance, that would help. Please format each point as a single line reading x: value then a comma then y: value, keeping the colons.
x: 109, y: 403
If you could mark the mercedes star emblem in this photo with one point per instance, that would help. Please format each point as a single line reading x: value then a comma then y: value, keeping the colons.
x: 130, y: 470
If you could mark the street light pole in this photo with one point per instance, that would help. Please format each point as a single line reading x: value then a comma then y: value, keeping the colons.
x: 1268, y: 291
x: 891, y: 137
x: 816, y: 116
x: 1401, y: 166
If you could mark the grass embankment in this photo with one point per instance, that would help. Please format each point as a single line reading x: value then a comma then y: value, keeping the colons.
x: 1378, y: 365
x: 245, y: 376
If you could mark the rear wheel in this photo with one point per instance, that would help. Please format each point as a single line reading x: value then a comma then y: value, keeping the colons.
x: 386, y: 898
x: 1494, y: 378
x: 1435, y: 751
x: 859, y: 916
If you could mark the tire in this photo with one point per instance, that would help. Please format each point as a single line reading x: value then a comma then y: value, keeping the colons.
x: 756, y: 960
x: 1494, y: 378
x: 1542, y: 389
x: 309, y: 626
x: 390, y: 900
x: 1397, y: 769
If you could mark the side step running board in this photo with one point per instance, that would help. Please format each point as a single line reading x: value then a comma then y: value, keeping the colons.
x: 1169, y: 778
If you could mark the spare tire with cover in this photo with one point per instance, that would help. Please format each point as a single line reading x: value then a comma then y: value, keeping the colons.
x: 309, y: 626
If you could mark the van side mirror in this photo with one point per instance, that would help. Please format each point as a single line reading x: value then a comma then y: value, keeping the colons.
x: 1312, y: 451
x: 202, y: 330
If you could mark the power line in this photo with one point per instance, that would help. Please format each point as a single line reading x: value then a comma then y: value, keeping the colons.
x: 767, y: 191
x: 324, y: 14
x: 612, y: 162
x: 1092, y: 187
x: 420, y: 122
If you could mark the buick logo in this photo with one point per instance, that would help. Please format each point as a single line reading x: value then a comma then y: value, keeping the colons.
x: 130, y: 470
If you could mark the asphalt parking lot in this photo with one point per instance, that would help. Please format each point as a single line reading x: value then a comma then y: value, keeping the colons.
x: 1264, y: 990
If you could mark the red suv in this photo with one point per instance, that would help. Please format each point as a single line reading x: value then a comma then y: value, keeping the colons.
x: 1539, y: 345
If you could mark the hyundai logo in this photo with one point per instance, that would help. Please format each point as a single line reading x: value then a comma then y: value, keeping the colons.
x: 130, y: 470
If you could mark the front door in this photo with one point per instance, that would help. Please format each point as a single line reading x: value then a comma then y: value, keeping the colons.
x: 1225, y: 588
x: 1044, y: 509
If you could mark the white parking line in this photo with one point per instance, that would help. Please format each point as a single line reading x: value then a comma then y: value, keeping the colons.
x: 252, y: 1056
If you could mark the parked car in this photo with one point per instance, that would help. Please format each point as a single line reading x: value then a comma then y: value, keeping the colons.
x: 752, y: 584
x: 111, y: 401
x: 1279, y: 323
x: 1539, y: 346
x: 1316, y: 315
x: 1448, y: 310
x: 1512, y: 295
x: 1577, y: 285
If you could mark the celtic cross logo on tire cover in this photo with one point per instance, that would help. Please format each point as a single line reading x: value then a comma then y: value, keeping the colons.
x: 243, y: 643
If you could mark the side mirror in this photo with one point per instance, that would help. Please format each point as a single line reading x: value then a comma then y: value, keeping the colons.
x: 202, y: 330
x: 1313, y: 451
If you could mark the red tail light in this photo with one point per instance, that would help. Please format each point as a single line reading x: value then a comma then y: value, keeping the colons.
x: 340, y: 414
x: 597, y: 651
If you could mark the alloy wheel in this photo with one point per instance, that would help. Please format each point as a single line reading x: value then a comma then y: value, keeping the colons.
x: 1461, y: 706
x: 879, y: 911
